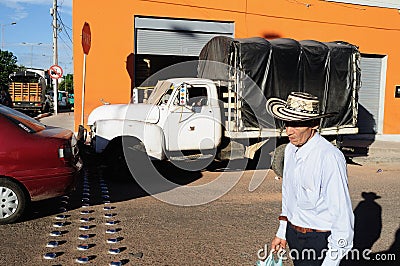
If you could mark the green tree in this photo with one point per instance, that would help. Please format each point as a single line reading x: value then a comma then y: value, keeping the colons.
x: 67, y: 84
x: 8, y: 64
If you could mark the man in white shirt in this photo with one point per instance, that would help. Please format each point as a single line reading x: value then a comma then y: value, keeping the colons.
x: 317, y: 219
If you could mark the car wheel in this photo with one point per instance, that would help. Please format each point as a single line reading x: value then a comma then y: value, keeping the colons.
x: 13, y: 201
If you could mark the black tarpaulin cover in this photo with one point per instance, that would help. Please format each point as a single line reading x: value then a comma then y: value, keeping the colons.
x: 277, y: 67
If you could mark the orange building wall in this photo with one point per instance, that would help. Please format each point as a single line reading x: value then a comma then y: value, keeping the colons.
x: 374, y: 30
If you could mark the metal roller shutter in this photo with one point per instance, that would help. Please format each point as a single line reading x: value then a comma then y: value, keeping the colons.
x: 160, y: 36
x: 370, y: 108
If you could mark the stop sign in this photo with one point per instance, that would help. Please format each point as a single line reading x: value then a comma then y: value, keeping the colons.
x: 86, y: 38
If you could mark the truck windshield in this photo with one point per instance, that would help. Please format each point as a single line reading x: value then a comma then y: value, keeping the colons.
x: 161, y: 88
x: 23, y: 121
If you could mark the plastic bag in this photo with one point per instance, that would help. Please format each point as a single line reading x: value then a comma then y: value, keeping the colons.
x: 270, y: 261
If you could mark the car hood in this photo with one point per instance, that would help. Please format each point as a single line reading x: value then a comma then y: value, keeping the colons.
x: 138, y: 112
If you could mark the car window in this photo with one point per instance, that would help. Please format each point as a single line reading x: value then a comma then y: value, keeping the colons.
x: 23, y: 121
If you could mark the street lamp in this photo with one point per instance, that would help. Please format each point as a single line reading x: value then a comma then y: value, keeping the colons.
x: 2, y: 32
x: 50, y: 59
x: 32, y: 44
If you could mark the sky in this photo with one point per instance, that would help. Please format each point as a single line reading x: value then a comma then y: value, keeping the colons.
x: 31, y: 38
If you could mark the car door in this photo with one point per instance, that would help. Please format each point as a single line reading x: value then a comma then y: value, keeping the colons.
x: 190, y: 126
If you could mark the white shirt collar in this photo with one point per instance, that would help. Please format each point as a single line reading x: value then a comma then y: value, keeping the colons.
x: 303, y: 151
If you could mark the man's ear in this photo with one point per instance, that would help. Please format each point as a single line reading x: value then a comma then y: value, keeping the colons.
x: 315, y: 124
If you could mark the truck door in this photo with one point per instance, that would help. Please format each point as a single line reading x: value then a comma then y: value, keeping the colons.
x: 190, y: 126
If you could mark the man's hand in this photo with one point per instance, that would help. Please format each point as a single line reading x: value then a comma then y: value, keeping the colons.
x: 277, y: 244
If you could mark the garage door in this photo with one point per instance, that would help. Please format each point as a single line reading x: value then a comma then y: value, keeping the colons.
x: 165, y: 36
x: 371, y: 94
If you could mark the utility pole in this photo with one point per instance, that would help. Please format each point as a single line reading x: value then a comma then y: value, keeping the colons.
x: 53, y: 12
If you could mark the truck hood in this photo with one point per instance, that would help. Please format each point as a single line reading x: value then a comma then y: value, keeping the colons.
x: 138, y: 112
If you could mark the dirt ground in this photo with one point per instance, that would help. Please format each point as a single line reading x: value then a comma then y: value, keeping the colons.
x: 230, y: 230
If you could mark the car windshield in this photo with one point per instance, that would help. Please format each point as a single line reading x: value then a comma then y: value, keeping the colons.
x: 25, y: 122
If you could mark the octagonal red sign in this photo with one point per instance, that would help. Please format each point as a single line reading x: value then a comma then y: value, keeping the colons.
x: 86, y: 38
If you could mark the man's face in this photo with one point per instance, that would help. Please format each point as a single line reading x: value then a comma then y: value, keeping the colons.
x: 300, y: 132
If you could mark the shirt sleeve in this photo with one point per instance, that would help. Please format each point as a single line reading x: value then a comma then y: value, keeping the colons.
x: 336, y: 193
x: 281, y: 233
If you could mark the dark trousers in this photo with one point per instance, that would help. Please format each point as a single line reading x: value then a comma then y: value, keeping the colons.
x: 307, y: 249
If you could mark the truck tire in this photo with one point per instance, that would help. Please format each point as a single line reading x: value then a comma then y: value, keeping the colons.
x: 13, y: 201
x: 114, y: 161
x: 277, y: 161
x: 46, y: 108
x: 124, y: 149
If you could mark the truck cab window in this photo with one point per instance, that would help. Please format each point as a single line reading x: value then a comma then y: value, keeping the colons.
x: 197, y: 96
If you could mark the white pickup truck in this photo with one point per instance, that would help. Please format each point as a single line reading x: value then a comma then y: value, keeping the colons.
x: 221, y: 113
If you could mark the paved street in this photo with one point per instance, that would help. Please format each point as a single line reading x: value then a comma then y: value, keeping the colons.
x: 62, y: 119
x: 228, y: 231
x: 119, y: 216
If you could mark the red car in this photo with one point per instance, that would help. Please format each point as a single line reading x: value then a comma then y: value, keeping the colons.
x: 36, y: 162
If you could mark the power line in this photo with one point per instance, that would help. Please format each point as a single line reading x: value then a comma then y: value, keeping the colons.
x: 65, y: 27
x: 64, y: 30
x: 65, y: 43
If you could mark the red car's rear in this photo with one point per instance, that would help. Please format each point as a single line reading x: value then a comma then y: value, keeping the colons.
x: 36, y: 162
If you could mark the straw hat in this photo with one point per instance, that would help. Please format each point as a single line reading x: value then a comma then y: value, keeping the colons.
x: 300, y: 106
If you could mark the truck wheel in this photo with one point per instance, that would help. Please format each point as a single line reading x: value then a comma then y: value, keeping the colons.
x: 136, y: 158
x: 13, y: 201
x: 46, y: 108
x: 277, y: 161
x: 114, y: 159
